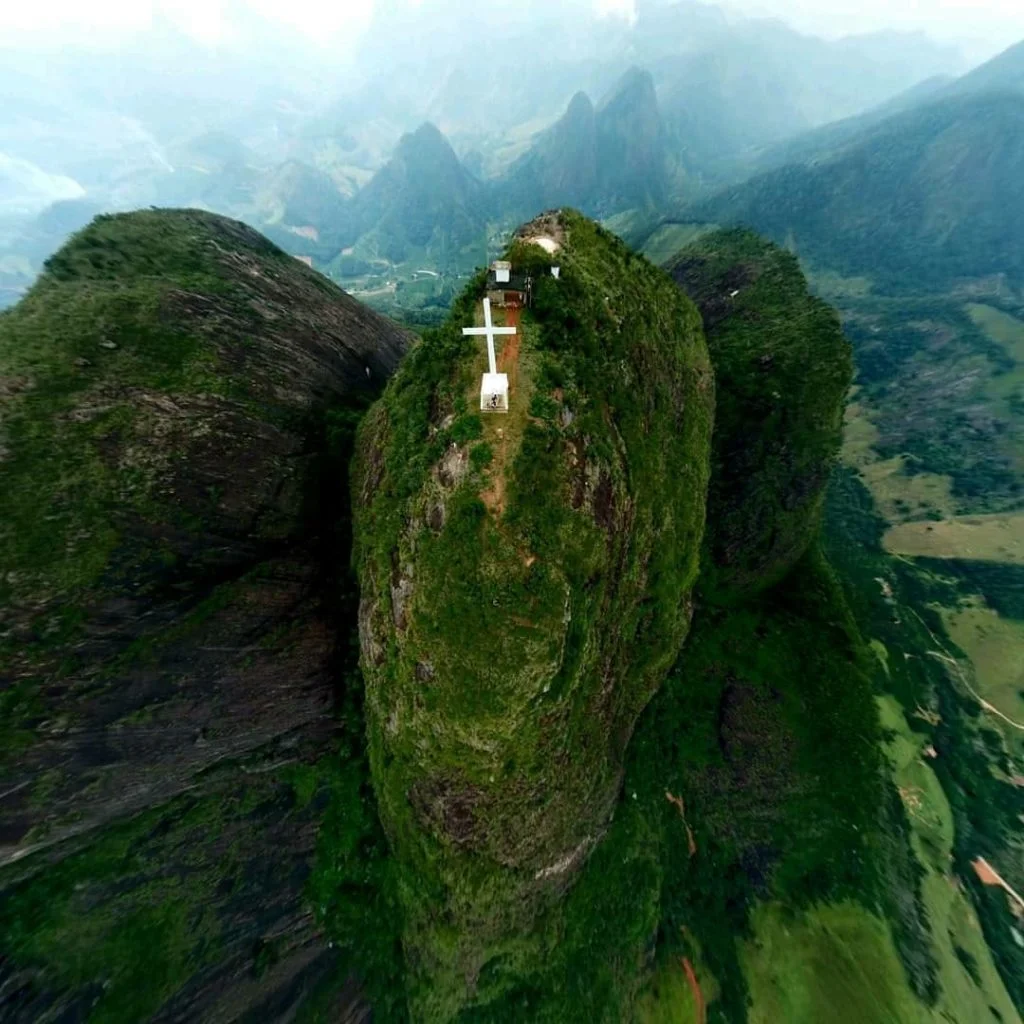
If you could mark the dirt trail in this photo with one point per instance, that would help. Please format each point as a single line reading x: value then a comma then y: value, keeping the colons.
x: 944, y: 656
x: 698, y: 996
x: 989, y: 876
x: 508, y: 362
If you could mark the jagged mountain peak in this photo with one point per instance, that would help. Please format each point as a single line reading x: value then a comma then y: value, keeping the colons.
x: 426, y: 154
x: 580, y: 106
x: 422, y: 198
x: 427, y: 145
x: 635, y: 86
x: 631, y: 144
x: 600, y: 160
x: 427, y: 140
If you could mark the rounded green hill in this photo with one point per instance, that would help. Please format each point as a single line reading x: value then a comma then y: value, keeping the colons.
x: 782, y: 367
x: 525, y: 586
x: 155, y: 386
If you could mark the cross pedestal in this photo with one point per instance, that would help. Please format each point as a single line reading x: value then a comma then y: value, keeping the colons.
x: 494, y: 392
x: 494, y: 386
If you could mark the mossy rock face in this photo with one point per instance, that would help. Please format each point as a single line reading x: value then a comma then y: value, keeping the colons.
x: 155, y: 386
x: 782, y: 368
x: 169, y: 394
x: 525, y: 587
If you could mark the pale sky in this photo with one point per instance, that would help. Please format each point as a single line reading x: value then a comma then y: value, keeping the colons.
x: 1001, y: 21
x: 997, y: 22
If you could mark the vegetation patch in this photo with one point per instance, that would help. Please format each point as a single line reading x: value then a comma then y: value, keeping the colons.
x: 898, y: 604
x: 991, y: 538
x: 833, y: 963
x: 668, y: 240
x: 782, y: 367
x: 933, y: 404
x: 1001, y: 585
x: 994, y: 646
x: 969, y: 987
x: 518, y: 615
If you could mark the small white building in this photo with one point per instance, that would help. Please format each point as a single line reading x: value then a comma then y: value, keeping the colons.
x: 502, y: 271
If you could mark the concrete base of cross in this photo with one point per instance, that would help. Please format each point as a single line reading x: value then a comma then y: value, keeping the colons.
x: 494, y: 393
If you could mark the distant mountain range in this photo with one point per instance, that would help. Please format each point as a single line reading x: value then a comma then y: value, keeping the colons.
x: 613, y: 119
x: 424, y: 204
x: 600, y: 161
x: 925, y: 196
x: 423, y: 201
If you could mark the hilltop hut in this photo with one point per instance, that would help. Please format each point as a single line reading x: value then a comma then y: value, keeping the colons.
x: 506, y: 289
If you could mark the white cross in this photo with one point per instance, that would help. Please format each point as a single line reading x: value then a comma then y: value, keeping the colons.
x: 489, y: 330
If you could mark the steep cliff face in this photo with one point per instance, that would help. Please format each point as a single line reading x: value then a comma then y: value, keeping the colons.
x: 601, y: 161
x: 167, y: 493
x: 525, y: 587
x: 782, y: 367
x: 631, y: 148
x: 561, y: 168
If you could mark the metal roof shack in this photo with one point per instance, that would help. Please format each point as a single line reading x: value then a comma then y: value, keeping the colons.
x: 507, y: 288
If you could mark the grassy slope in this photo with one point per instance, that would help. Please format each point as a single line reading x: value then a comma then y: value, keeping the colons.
x: 668, y: 239
x: 896, y: 604
x: 838, y: 962
x: 992, y: 538
x: 935, y: 433
x: 835, y: 963
x: 969, y: 983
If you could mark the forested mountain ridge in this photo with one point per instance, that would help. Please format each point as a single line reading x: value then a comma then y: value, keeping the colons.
x: 423, y: 197
x: 1003, y: 72
x: 602, y: 160
x: 926, y: 198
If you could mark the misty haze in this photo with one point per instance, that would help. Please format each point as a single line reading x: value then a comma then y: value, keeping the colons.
x: 512, y: 512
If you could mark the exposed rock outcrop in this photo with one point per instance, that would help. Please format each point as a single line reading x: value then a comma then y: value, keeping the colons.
x: 167, y: 497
